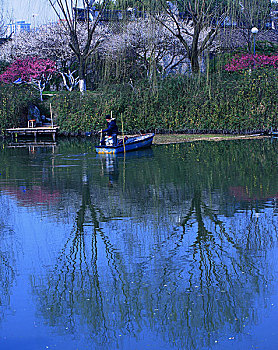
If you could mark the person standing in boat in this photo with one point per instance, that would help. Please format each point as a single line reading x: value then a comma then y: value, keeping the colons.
x: 111, y: 130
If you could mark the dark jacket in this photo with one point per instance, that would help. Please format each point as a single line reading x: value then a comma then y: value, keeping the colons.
x: 112, y: 128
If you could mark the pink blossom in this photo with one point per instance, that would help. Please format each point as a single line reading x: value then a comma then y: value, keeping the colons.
x: 28, y: 69
x: 251, y: 61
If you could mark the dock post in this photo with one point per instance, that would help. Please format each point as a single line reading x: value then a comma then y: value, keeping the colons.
x: 35, y: 136
x: 54, y: 136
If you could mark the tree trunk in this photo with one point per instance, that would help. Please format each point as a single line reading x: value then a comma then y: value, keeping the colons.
x: 194, y: 56
x: 82, y: 75
x: 195, y: 66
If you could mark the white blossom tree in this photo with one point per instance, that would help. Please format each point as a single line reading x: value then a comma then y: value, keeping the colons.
x: 153, y: 47
x: 49, y: 41
x: 82, y: 49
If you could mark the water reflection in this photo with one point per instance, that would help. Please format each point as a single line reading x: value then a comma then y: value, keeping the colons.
x: 33, y: 147
x: 158, y: 247
x: 7, y: 259
x: 109, y: 166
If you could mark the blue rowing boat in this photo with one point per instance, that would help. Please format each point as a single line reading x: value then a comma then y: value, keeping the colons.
x: 128, y: 144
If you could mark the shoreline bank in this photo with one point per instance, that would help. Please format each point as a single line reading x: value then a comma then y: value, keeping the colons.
x: 166, y: 139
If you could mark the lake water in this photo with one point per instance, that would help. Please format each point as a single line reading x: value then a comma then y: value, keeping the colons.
x: 174, y: 247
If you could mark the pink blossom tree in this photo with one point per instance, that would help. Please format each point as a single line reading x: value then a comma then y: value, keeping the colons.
x: 32, y: 70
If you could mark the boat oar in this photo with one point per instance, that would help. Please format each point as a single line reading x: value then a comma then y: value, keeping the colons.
x: 100, y: 137
x: 123, y: 134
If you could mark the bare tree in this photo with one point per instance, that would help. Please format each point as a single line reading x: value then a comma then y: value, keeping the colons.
x: 66, y: 10
x: 194, y: 23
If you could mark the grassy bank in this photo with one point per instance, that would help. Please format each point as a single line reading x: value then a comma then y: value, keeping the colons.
x: 217, y: 102
x: 166, y: 139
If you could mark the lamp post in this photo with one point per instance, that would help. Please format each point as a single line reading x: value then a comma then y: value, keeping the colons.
x: 34, y: 15
x: 254, y: 31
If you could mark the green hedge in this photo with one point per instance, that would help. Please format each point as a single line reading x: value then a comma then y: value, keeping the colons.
x: 227, y: 102
x: 224, y: 102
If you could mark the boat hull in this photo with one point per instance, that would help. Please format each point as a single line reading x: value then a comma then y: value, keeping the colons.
x: 132, y: 144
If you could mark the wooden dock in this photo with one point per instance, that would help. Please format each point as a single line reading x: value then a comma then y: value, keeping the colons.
x: 35, y: 132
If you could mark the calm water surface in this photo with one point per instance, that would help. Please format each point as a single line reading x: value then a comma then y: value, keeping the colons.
x: 169, y: 248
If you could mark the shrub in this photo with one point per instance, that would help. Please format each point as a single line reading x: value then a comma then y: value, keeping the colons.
x: 14, y: 105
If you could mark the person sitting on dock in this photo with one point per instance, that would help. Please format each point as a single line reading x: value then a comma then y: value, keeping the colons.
x: 111, y: 130
x: 34, y: 115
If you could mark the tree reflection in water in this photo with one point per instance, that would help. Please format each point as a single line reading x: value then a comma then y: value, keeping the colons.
x: 188, y: 293
x: 215, y: 282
